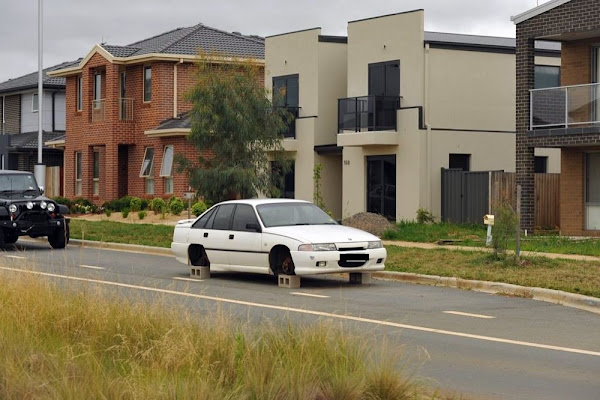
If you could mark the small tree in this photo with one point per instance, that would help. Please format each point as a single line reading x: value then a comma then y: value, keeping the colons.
x: 505, y: 225
x: 236, y: 130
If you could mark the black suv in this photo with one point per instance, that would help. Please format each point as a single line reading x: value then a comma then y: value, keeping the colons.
x: 24, y: 211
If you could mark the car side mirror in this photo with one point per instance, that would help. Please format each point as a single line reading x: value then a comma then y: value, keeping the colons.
x: 41, y: 189
x: 253, y: 227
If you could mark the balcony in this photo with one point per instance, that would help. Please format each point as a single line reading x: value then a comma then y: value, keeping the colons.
x: 125, y: 109
x: 290, y: 133
x: 565, y: 109
x: 367, y: 113
x: 99, y: 110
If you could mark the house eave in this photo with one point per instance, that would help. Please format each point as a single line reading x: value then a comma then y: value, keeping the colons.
x: 517, y: 19
x: 157, y: 133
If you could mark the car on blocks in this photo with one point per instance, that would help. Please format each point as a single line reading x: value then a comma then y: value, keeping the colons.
x: 24, y: 211
x: 277, y: 237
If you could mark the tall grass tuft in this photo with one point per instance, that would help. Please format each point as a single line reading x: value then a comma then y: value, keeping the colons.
x: 62, y: 344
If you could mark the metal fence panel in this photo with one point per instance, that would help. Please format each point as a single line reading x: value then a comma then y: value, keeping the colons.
x: 452, y: 207
x: 475, y: 196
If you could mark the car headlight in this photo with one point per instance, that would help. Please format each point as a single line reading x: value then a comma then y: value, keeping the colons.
x: 29, y: 205
x: 317, y: 247
x: 12, y: 208
x: 51, y: 207
x: 43, y: 205
x: 377, y: 244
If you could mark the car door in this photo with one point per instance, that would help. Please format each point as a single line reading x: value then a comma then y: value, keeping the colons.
x: 245, y: 242
x: 212, y: 233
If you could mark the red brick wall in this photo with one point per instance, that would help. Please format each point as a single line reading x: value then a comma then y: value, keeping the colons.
x: 84, y: 135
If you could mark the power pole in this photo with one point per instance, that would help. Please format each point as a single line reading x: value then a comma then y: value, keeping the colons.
x: 39, y: 168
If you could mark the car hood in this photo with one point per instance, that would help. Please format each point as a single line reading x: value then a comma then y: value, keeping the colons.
x: 19, y: 197
x: 322, y: 233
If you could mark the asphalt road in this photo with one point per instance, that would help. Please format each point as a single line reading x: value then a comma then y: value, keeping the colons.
x: 484, y: 346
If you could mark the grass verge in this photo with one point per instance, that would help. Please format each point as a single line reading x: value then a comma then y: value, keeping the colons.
x: 58, y: 344
x: 571, y: 276
x: 121, y: 232
x: 474, y: 235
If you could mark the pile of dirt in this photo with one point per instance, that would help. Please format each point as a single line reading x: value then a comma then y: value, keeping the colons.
x: 372, y: 223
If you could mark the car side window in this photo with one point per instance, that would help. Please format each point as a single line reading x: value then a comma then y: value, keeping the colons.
x: 244, y: 215
x: 223, y: 217
x: 201, y: 223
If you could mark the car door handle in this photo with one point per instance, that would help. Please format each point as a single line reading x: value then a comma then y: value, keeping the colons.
x: 205, y: 234
x: 230, y: 237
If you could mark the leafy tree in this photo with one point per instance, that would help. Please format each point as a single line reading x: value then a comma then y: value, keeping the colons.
x: 236, y: 130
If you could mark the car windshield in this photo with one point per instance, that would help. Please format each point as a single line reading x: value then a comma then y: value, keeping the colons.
x: 288, y: 214
x: 17, y: 183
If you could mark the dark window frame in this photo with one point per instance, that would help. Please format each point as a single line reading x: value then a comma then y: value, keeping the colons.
x: 147, y: 88
x: 536, y: 83
x: 385, y: 65
x: 79, y: 101
x: 540, y: 164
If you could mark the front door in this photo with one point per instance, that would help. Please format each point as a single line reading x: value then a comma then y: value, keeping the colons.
x: 123, y: 177
x: 381, y: 185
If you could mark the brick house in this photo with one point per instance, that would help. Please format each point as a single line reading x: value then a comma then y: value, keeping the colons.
x: 565, y: 117
x: 127, y: 114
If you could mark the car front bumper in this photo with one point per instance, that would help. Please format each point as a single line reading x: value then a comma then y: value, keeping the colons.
x: 23, y: 227
x: 328, y: 262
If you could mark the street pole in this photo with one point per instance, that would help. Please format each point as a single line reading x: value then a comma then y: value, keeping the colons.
x: 39, y: 168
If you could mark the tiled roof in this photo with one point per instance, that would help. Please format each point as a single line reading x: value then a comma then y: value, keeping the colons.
x: 183, y: 121
x: 29, y: 140
x: 187, y: 41
x: 31, y: 80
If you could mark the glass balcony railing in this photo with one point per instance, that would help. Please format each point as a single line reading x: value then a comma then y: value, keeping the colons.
x: 564, y: 107
x: 367, y: 113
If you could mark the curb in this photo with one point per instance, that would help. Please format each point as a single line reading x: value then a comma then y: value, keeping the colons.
x: 573, y: 300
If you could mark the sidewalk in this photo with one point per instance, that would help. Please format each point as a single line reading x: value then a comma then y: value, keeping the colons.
x: 433, y: 246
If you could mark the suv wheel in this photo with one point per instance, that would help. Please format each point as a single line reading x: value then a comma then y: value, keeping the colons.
x: 60, y: 237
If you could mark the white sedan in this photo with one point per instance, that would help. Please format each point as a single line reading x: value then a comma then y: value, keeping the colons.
x: 275, y: 236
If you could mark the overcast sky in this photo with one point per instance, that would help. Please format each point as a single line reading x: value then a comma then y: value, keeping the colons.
x: 73, y: 27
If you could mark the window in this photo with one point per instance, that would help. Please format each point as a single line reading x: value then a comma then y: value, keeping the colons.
x: 79, y: 93
x: 97, y: 87
x: 541, y: 164
x: 285, y: 183
x: 244, y: 215
x: 285, y: 91
x: 166, y: 169
x: 201, y: 223
x: 459, y: 161
x: 96, y: 175
x: 147, y: 170
x: 592, y: 191
x: 546, y: 76
x: 148, y: 162
x: 147, y: 84
x: 78, y: 173
x: 384, y: 79
x: 34, y: 103
x: 223, y: 217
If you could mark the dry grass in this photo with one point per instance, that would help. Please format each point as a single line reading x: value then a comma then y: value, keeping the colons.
x: 582, y: 277
x: 59, y: 344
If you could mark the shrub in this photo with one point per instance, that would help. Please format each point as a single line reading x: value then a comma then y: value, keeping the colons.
x: 135, y: 204
x: 504, y: 229
x: 424, y: 216
x: 125, y: 212
x: 108, y: 212
x: 141, y: 214
x: 198, y: 208
x: 158, y: 205
x: 81, y: 205
x: 63, y: 200
x: 176, y: 205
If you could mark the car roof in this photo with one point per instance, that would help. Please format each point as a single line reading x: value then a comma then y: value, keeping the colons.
x: 258, y: 202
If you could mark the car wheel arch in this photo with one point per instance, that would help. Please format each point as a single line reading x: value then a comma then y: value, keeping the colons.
x: 197, y: 255
x: 275, y: 257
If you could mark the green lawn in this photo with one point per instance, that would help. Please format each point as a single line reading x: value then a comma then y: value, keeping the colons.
x: 571, y: 276
x: 474, y: 235
x: 121, y: 232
